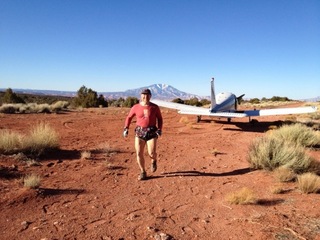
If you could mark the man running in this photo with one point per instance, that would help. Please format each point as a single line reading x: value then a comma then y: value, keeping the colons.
x: 147, y: 131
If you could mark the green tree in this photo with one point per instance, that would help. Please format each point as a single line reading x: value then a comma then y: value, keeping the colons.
x: 86, y: 98
x: 254, y: 100
x: 193, y: 102
x: 279, y: 99
x: 10, y: 97
x: 102, y: 101
x: 130, y: 101
x: 178, y: 100
x: 205, y: 102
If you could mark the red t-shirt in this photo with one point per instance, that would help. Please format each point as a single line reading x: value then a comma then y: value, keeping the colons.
x: 147, y: 116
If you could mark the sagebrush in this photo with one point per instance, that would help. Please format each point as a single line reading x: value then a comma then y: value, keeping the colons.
x: 270, y: 153
x: 284, y: 147
x: 297, y: 134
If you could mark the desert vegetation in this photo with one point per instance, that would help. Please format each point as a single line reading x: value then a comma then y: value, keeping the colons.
x: 309, y: 183
x: 284, y: 152
x: 12, y: 102
x: 11, y: 97
x: 242, y: 196
x: 32, y: 181
x: 40, y: 139
x: 210, y: 178
x: 284, y: 147
x: 34, y: 107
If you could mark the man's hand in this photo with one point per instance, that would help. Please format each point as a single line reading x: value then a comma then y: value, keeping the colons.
x: 125, y: 132
x: 158, y: 132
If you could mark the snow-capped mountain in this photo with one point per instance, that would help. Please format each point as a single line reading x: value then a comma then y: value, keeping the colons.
x: 159, y: 91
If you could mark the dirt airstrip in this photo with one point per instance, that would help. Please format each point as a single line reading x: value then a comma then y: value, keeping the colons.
x: 101, y: 198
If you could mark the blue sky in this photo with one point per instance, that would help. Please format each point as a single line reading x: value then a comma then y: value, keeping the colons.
x: 260, y: 48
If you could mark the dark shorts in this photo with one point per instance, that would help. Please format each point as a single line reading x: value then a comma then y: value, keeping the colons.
x: 146, y: 133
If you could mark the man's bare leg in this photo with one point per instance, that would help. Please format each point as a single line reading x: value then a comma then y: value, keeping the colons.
x: 152, y: 151
x: 139, y: 146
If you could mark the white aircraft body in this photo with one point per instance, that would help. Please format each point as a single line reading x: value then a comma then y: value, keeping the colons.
x: 225, y: 105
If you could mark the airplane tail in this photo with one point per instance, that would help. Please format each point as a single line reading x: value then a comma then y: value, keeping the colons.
x: 213, y: 95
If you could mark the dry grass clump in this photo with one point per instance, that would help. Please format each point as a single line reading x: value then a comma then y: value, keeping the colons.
x: 108, y: 149
x: 85, y: 155
x: 242, y: 196
x: 184, y: 120
x: 309, y: 183
x: 10, y: 141
x: 41, y: 138
x: 298, y: 134
x: 277, y: 189
x: 270, y: 153
x: 33, y: 107
x: 284, y: 174
x: 32, y: 181
x: 59, y: 106
x: 284, y: 147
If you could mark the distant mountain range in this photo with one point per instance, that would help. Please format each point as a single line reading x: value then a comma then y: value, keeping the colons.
x: 159, y: 91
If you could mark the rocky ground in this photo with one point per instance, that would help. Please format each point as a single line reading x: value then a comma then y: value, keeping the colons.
x: 199, y: 165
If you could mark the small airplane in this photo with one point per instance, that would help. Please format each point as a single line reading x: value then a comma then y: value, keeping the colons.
x: 225, y: 105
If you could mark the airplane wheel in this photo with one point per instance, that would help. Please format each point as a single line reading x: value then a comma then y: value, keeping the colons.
x: 253, y: 121
x: 229, y: 120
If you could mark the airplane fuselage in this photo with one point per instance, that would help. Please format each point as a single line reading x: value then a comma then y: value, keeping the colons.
x: 225, y: 101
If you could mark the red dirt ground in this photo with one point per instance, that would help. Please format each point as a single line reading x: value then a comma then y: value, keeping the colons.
x: 101, y: 198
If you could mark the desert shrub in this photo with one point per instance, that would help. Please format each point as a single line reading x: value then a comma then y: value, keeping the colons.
x: 277, y: 189
x: 41, y: 138
x: 242, y: 196
x: 254, y: 100
x: 205, y: 102
x: 33, y: 107
x: 59, y: 105
x: 42, y: 108
x: 11, y: 97
x: 178, y: 100
x: 284, y: 174
x: 270, y: 153
x: 309, y: 183
x: 107, y: 149
x: 8, y: 108
x: 280, y: 99
x: 10, y: 142
x: 116, y: 102
x: 102, y: 101
x: 130, y: 101
x: 32, y: 181
x: 86, y: 98
x: 184, y: 120
x: 85, y: 155
x: 193, y: 102
x: 297, y: 134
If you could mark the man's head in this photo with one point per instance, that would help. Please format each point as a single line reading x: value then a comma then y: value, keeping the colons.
x: 146, y: 91
x: 145, y: 95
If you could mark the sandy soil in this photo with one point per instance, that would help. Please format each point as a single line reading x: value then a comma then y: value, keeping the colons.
x: 101, y: 198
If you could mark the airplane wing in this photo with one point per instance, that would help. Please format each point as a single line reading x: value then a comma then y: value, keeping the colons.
x: 280, y: 111
x: 200, y: 111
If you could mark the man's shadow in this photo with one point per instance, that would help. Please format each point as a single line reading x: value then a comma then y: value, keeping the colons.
x: 202, y: 174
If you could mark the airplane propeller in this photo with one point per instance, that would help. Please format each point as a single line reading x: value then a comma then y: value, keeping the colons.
x: 240, y: 99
